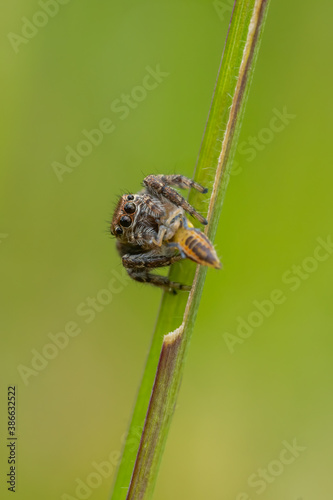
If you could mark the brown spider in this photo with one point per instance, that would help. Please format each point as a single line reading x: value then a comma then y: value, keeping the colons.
x: 152, y: 230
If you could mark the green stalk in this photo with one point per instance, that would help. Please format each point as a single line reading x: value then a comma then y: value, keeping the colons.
x: 166, y: 360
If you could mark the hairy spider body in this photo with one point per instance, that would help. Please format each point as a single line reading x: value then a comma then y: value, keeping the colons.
x: 152, y: 231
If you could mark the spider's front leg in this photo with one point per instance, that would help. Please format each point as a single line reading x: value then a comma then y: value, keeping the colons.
x: 152, y: 206
x: 180, y: 181
x: 160, y: 184
x: 138, y: 265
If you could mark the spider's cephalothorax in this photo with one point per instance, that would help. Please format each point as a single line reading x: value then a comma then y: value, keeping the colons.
x: 152, y: 231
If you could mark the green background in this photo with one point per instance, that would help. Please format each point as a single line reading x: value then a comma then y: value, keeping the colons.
x: 236, y: 409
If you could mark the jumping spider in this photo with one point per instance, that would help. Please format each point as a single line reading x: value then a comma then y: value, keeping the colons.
x: 152, y: 230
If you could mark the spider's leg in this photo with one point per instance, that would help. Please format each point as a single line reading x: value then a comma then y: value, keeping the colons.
x: 157, y: 185
x: 142, y: 276
x: 137, y: 267
x: 152, y: 206
x: 148, y: 260
x: 180, y: 181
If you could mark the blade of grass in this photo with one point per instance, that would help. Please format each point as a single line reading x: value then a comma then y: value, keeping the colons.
x: 162, y: 376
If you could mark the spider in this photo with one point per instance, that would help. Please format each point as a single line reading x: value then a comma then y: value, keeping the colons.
x: 152, y: 231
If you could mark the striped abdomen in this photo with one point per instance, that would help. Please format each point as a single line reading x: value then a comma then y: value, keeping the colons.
x: 196, y: 246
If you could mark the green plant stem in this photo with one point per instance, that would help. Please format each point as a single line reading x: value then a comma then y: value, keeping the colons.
x: 213, y: 166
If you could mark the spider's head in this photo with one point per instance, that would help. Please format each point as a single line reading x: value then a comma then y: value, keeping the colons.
x: 124, y: 215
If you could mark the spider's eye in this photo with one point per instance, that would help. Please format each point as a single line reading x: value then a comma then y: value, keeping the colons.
x: 118, y: 231
x: 125, y: 221
x: 130, y: 197
x: 130, y: 208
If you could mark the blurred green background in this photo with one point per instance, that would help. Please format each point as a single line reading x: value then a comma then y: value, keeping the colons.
x: 236, y: 409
